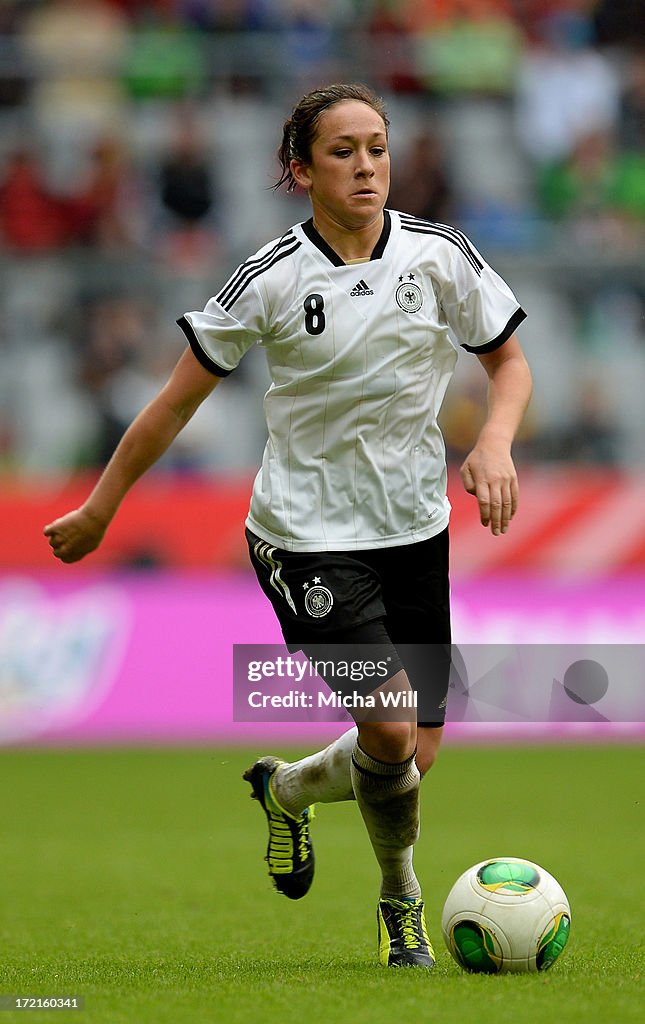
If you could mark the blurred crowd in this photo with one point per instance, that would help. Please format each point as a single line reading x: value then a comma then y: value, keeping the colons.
x: 137, y: 144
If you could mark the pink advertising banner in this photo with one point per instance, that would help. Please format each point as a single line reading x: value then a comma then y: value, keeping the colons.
x: 148, y: 657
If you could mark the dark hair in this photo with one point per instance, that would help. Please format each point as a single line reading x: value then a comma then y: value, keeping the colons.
x: 299, y: 130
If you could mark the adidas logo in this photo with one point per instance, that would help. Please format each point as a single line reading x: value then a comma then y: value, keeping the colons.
x: 362, y: 288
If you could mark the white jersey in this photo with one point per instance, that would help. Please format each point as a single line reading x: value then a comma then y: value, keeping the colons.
x: 360, y: 356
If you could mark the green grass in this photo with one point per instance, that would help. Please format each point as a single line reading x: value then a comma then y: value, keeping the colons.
x: 135, y: 879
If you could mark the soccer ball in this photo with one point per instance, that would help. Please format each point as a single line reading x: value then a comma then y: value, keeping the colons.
x: 506, y: 915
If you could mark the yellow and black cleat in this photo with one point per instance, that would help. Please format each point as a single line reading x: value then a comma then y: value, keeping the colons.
x: 402, y: 936
x: 290, y: 854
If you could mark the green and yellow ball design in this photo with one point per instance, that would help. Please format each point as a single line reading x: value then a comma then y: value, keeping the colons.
x: 506, y: 914
x: 508, y: 876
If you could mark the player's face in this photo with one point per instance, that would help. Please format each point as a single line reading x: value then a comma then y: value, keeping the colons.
x: 348, y: 177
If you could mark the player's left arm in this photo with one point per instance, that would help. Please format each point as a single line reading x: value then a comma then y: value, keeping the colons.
x: 488, y: 471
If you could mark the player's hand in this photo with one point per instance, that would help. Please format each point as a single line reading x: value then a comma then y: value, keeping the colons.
x: 488, y: 473
x: 74, y: 535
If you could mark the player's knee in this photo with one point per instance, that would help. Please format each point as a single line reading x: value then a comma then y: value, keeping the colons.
x: 393, y: 742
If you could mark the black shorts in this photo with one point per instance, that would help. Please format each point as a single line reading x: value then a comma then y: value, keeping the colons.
x: 398, y: 597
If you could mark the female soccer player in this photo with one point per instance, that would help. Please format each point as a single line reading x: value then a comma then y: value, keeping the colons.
x: 358, y: 310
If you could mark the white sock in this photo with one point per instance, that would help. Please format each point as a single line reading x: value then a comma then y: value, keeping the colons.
x: 388, y: 798
x: 320, y: 778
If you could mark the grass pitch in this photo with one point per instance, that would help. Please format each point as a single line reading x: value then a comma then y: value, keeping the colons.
x: 135, y: 879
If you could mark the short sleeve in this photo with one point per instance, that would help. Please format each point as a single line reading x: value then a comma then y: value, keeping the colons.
x: 218, y: 338
x: 479, y: 306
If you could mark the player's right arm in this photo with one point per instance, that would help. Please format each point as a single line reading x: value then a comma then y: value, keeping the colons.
x: 81, y: 531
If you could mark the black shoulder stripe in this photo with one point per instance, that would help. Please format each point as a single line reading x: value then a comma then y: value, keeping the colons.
x: 518, y: 316
x: 453, y: 235
x: 408, y: 218
x: 474, y: 262
x: 253, y: 268
x: 237, y: 287
x: 256, y: 261
x: 464, y: 241
x: 201, y: 356
x: 464, y: 249
x: 251, y: 265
